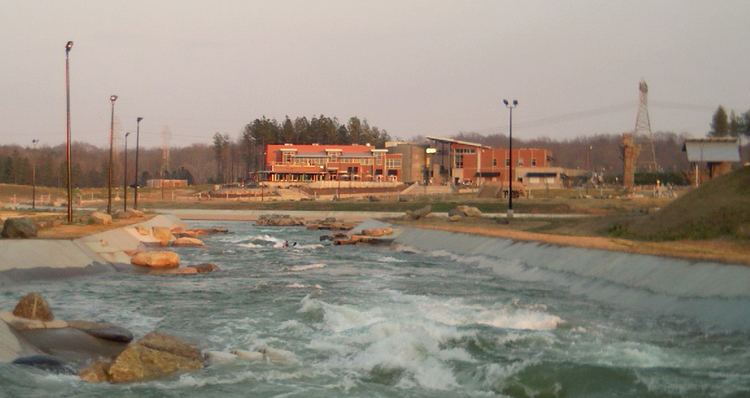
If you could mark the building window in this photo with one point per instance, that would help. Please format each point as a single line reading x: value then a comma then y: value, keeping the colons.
x: 494, y: 162
x: 393, y: 163
x: 507, y: 162
x: 520, y: 162
x: 465, y: 150
x: 533, y: 162
x: 459, y: 161
x: 286, y: 157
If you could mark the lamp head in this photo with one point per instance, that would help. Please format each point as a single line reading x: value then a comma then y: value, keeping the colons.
x: 113, y: 98
x: 515, y: 102
x: 34, y: 141
x: 68, y: 46
x: 505, y: 101
x: 127, y: 134
x: 138, y: 120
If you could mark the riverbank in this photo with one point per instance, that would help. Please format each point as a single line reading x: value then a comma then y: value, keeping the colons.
x: 719, y: 250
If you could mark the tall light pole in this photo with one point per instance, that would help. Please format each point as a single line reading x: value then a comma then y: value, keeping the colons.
x: 112, y: 99
x: 125, y: 177
x: 33, y: 174
x: 510, y: 156
x: 137, y: 147
x: 68, y: 47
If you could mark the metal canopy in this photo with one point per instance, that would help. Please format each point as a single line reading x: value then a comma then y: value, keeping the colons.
x: 712, y: 150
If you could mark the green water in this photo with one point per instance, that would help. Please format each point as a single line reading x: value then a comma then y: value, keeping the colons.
x: 384, y: 322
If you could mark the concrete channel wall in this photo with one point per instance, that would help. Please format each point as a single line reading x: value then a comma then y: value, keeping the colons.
x: 29, y: 259
x: 712, y: 293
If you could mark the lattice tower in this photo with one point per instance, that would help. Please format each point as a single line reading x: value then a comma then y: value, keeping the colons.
x: 643, y: 135
x: 166, y: 137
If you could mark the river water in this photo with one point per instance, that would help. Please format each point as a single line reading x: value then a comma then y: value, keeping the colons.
x: 386, y: 322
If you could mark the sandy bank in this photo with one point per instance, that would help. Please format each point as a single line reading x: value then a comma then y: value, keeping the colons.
x: 711, y: 250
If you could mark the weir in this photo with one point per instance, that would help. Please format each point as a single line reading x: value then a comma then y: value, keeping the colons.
x: 714, y: 294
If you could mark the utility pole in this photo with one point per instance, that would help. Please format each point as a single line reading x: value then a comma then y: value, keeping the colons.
x: 137, y: 148
x: 510, y: 156
x: 33, y: 175
x: 68, y: 47
x: 125, y: 177
x: 112, y: 99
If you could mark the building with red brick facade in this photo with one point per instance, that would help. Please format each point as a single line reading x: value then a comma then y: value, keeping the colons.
x: 319, y: 162
x: 462, y: 162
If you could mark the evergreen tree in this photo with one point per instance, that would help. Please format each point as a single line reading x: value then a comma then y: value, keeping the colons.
x: 719, y: 123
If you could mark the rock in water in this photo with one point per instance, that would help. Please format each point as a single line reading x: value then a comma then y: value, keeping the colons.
x: 188, y: 242
x: 19, y: 228
x: 205, y: 268
x: 140, y: 363
x: 97, y: 372
x: 155, y: 355
x: 105, y: 331
x: 156, y: 259
x: 33, y: 306
x: 101, y: 218
x: 162, y: 234
x: 45, y: 362
x: 171, y: 344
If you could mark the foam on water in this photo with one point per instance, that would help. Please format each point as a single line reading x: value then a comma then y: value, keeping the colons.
x: 306, y: 267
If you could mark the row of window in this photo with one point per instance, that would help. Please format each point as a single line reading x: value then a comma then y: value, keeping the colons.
x: 302, y: 161
x: 459, y: 162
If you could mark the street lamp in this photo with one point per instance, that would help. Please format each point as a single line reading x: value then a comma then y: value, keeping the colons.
x: 33, y: 175
x: 510, y: 156
x: 137, y: 144
x: 125, y: 177
x: 112, y: 99
x: 68, y: 47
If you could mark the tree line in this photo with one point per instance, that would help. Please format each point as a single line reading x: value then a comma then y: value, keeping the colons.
x: 226, y: 159
x: 729, y: 125
x: 237, y: 158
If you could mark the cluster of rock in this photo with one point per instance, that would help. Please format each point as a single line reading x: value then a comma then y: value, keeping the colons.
x: 279, y: 220
x: 462, y: 211
x: 331, y: 224
x: 103, y: 351
x: 418, y: 213
x: 165, y: 262
x: 369, y: 235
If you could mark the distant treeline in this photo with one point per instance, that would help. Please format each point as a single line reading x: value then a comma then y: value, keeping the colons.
x: 228, y: 159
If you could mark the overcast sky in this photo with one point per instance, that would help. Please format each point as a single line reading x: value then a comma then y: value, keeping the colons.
x: 411, y: 67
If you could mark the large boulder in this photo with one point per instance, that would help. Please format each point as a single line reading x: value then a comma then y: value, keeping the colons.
x: 45, y: 362
x: 105, y: 331
x: 377, y: 231
x: 162, y: 234
x: 156, y: 259
x: 279, y: 220
x: 33, y: 306
x: 188, y: 242
x: 101, y: 218
x: 154, y: 356
x: 465, y: 211
x: 419, y: 213
x: 97, y: 372
x: 19, y: 228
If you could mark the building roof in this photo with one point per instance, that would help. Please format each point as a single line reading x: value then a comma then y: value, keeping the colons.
x: 452, y: 141
x: 720, y: 149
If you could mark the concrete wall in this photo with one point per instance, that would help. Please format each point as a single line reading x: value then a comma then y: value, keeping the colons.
x: 711, y: 293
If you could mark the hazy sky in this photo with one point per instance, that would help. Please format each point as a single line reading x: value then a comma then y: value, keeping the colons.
x: 411, y: 67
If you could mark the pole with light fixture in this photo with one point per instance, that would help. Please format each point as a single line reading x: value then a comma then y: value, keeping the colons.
x: 510, y: 107
x: 68, y: 47
x: 112, y: 99
x: 33, y: 174
x: 125, y: 177
x: 137, y: 149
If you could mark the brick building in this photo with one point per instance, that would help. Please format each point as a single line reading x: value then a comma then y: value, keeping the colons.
x: 319, y: 162
x: 463, y: 162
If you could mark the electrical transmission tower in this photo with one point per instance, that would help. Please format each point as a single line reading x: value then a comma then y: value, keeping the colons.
x: 166, y: 136
x: 643, y: 135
